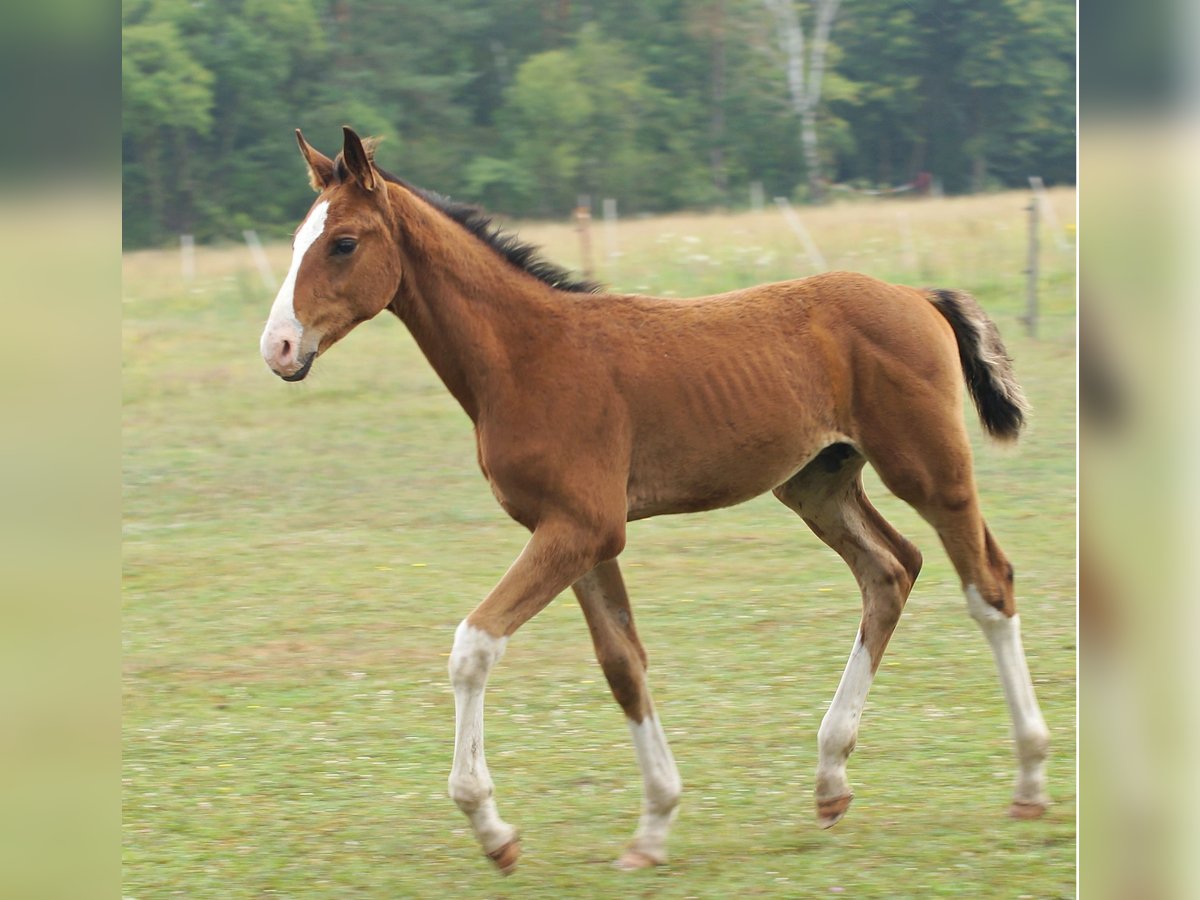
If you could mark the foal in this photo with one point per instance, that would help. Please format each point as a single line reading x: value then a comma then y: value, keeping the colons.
x: 594, y: 409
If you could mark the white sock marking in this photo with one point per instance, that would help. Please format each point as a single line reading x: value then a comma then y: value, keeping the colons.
x: 839, y: 729
x: 474, y: 654
x: 283, y: 313
x: 662, y: 786
x: 1029, y: 728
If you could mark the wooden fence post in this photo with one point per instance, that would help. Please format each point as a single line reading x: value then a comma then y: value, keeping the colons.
x: 583, y: 226
x: 756, y: 196
x: 187, y: 257
x: 260, y: 260
x: 1031, y: 303
x: 1047, y: 212
x: 610, y: 237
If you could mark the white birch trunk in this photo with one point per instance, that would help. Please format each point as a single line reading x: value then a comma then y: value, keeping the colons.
x: 804, y: 76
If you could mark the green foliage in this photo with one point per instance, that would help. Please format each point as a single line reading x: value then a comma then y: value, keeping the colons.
x: 547, y: 98
x: 980, y: 94
x: 167, y: 100
x: 163, y: 86
x: 498, y: 183
x: 230, y: 75
x: 663, y: 104
x: 608, y: 130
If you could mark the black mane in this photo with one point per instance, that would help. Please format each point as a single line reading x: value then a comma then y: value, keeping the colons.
x: 478, y: 222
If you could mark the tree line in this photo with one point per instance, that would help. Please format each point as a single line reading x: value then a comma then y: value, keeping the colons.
x: 526, y: 105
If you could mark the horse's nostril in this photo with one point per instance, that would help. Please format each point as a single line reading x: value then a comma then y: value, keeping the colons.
x: 285, y: 350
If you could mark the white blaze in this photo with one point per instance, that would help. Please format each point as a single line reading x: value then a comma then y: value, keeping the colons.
x: 283, y: 312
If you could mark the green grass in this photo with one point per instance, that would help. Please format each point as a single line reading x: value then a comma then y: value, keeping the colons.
x: 296, y: 559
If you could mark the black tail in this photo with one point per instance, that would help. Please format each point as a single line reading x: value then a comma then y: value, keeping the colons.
x: 986, y: 365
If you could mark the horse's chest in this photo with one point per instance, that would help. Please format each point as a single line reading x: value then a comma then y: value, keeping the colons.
x: 513, y: 502
x: 513, y: 493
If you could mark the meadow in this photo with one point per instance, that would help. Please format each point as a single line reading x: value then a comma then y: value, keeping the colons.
x: 296, y: 558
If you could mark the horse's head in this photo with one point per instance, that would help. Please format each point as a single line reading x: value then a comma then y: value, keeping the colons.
x: 345, y: 264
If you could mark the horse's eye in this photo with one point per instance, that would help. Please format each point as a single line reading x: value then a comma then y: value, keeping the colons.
x: 343, y: 246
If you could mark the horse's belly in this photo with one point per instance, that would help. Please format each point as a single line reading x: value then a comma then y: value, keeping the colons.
x: 726, y: 427
x: 688, y: 480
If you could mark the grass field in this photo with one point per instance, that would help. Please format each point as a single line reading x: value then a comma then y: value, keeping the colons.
x: 296, y: 559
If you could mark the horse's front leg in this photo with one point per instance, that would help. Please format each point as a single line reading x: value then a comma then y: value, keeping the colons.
x: 606, y: 607
x: 559, y: 552
x: 475, y: 652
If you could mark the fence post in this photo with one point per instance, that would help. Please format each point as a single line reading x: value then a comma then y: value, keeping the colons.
x: 260, y: 260
x: 1031, y: 304
x: 610, y: 237
x: 583, y: 226
x: 187, y: 257
x: 1047, y: 211
x: 756, y: 196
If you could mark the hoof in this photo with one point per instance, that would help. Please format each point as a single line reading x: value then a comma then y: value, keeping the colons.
x: 506, y: 857
x: 1025, y: 809
x: 631, y: 860
x: 830, y: 812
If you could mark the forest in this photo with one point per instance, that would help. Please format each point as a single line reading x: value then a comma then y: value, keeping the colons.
x: 528, y: 105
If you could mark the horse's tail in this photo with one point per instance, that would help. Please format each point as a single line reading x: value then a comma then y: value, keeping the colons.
x: 986, y: 365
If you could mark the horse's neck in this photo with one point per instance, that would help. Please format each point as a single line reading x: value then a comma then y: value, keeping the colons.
x: 468, y: 310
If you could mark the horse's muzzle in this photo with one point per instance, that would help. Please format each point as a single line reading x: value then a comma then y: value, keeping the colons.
x: 299, y: 374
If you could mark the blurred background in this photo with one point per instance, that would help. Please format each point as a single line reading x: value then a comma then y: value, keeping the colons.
x: 1139, y: 130
x: 515, y: 106
x: 525, y: 106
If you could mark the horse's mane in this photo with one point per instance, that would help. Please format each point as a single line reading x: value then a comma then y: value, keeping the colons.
x: 478, y: 222
x: 524, y: 256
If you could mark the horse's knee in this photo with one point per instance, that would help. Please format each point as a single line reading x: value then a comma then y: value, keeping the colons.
x: 473, y: 655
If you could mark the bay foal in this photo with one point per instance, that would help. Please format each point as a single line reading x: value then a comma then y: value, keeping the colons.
x: 594, y: 409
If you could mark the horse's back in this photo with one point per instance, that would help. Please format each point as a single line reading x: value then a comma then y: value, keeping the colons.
x: 806, y: 345
x: 729, y: 395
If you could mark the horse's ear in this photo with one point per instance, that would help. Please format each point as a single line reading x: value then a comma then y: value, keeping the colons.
x: 320, y: 166
x: 358, y: 160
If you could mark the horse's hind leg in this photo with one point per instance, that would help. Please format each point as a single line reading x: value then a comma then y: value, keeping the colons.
x: 601, y: 594
x: 938, y: 481
x: 828, y: 495
x: 987, y: 579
